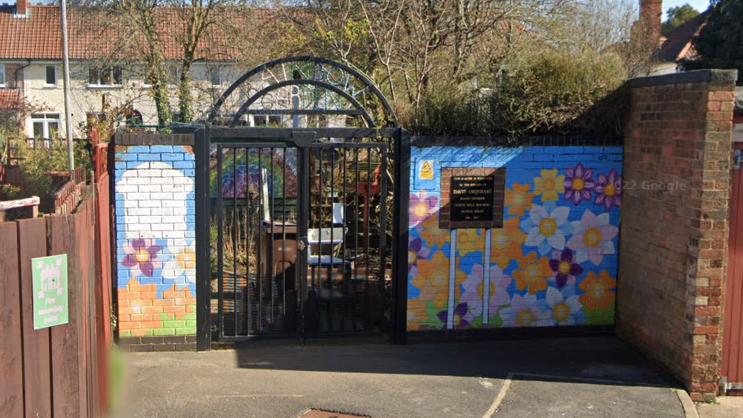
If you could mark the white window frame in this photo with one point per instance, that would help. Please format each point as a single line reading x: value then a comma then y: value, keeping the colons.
x: 100, y: 83
x: 45, y: 119
x: 46, y: 70
x: 4, y: 79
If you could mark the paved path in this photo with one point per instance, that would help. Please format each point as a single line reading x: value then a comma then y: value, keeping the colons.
x: 726, y: 407
x: 589, y: 377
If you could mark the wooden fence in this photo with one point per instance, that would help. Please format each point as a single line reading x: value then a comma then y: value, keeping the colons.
x: 69, y: 195
x: 60, y: 371
x: 10, y: 174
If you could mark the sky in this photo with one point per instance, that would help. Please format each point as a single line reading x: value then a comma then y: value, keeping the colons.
x: 700, y: 5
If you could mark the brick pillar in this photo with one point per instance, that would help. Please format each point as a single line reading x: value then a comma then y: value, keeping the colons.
x: 675, y: 223
x: 155, y: 241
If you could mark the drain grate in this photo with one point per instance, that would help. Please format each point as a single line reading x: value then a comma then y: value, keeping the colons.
x: 318, y: 413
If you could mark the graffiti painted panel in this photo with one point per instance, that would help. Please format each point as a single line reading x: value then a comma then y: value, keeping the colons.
x: 554, y: 261
x: 155, y: 240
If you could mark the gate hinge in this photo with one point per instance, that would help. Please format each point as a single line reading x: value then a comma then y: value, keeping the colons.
x: 737, y: 159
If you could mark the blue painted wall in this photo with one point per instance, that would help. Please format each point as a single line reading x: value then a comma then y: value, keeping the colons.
x: 554, y: 263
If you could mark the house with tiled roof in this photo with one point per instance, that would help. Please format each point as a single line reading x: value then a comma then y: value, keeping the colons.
x: 104, y: 71
x: 677, y: 46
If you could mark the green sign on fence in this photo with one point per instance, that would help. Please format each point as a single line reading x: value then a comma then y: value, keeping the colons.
x: 50, y: 291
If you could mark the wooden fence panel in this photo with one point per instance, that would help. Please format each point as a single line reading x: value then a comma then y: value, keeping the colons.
x: 11, y: 347
x: 103, y: 285
x: 65, y: 339
x: 79, y: 286
x: 59, y: 371
x: 36, y: 361
x: 89, y: 303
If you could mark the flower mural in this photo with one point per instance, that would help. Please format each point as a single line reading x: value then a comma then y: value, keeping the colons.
x: 524, y: 311
x: 157, y: 260
x: 609, y: 190
x: 458, y: 319
x: 132, y: 300
x: 578, y: 184
x: 518, y: 199
x: 549, y: 185
x: 547, y: 227
x: 599, y: 290
x: 593, y: 237
x: 552, y: 261
x: 416, y: 251
x: 565, y: 268
x: 564, y: 307
x: 470, y: 240
x: 241, y: 173
x: 506, y: 243
x: 533, y: 273
x: 421, y: 207
x: 430, y: 232
x: 433, y: 279
x: 416, y: 314
x: 473, y: 292
x: 182, y: 262
x: 141, y: 257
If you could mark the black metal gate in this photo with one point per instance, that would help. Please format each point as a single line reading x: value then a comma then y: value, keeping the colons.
x: 300, y: 233
x: 301, y: 227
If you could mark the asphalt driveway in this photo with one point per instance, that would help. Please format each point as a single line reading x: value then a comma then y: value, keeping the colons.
x: 576, y: 377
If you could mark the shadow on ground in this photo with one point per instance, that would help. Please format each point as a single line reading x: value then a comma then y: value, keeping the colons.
x: 577, y: 377
x: 596, y: 359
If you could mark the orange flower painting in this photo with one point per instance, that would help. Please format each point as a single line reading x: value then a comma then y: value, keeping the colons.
x: 432, y: 234
x: 506, y: 243
x: 518, y: 199
x: 599, y: 290
x: 433, y: 279
x: 532, y: 273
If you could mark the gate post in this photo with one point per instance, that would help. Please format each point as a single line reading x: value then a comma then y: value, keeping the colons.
x: 400, y: 237
x: 303, y: 140
x: 203, y: 281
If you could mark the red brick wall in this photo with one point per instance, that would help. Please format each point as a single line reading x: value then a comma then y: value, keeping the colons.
x: 674, y: 225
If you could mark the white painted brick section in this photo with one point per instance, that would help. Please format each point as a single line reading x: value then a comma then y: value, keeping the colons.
x: 154, y: 197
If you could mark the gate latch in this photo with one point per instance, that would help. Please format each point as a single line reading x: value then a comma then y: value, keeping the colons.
x: 302, y: 243
x: 737, y: 159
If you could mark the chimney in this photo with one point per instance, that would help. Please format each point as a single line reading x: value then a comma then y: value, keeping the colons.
x: 21, y: 8
x: 651, y: 13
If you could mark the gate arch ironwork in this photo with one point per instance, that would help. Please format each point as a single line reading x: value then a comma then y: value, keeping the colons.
x: 302, y: 72
x: 240, y: 172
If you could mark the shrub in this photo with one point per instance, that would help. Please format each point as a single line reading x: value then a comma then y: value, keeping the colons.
x: 35, y: 166
x: 550, y: 91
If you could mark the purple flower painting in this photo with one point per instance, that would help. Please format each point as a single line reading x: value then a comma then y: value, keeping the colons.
x: 459, y: 313
x: 565, y: 267
x: 609, y: 190
x: 141, y: 257
x: 421, y: 207
x: 416, y: 251
x: 579, y: 184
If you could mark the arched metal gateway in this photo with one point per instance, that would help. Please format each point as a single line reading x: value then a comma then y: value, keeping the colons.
x: 301, y: 184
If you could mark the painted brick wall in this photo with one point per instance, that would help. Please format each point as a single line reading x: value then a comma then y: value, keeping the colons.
x: 554, y: 262
x: 155, y: 240
x: 675, y: 223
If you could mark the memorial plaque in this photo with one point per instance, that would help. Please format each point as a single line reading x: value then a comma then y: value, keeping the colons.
x: 472, y: 198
